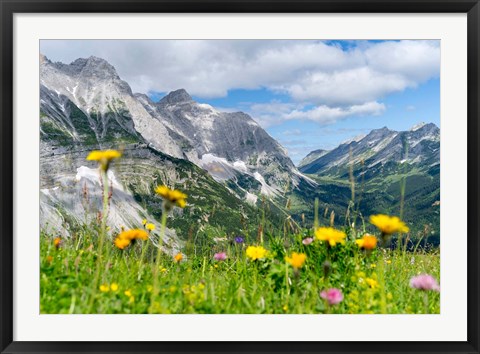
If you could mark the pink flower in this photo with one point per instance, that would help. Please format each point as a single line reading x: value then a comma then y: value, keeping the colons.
x: 220, y: 256
x: 307, y: 241
x: 333, y: 296
x: 424, y: 282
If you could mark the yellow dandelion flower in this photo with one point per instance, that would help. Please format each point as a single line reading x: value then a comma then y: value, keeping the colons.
x: 256, y: 252
x: 128, y: 293
x: 178, y: 257
x: 373, y: 265
x: 285, y: 308
x: 131, y: 299
x: 330, y: 235
x: 104, y: 157
x: 367, y: 242
x: 114, y: 287
x: 163, y: 270
x: 144, y: 222
x: 150, y: 227
x: 389, y: 261
x: 57, y: 242
x: 389, y: 224
x: 372, y: 283
x: 172, y: 197
x: 296, y: 260
x: 104, y: 288
x: 121, y: 243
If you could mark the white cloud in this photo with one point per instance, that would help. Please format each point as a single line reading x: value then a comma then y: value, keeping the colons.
x: 276, y: 112
x: 309, y: 71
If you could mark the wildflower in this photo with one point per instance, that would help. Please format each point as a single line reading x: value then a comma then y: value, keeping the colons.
x: 256, y: 252
x: 49, y: 259
x: 424, y: 282
x: 57, y: 242
x: 103, y: 157
x: 114, y: 287
x: 372, y: 283
x: 121, y: 243
x: 389, y: 224
x: 333, y: 296
x: 178, y: 257
x: 104, y: 288
x: 220, y: 256
x: 144, y: 222
x: 239, y: 239
x: 128, y: 293
x: 163, y: 270
x: 367, y: 242
x: 330, y: 235
x: 124, y: 239
x: 172, y: 197
x: 150, y: 227
x: 307, y: 241
x: 285, y: 308
x: 296, y: 260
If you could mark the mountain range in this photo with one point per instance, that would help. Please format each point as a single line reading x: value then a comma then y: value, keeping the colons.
x: 229, y: 166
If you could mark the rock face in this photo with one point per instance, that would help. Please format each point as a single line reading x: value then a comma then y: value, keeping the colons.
x: 419, y: 145
x: 85, y: 105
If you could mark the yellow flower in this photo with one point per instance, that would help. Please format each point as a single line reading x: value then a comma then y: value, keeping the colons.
x: 285, y: 308
x: 150, y: 227
x: 144, y: 221
x: 114, y: 287
x: 124, y: 239
x: 389, y: 224
x: 163, y: 270
x: 256, y: 252
x: 128, y: 293
x: 178, y: 257
x: 297, y: 260
x: 104, y: 288
x: 372, y: 283
x: 172, y: 196
x: 367, y: 242
x: 103, y: 157
x: 57, y: 242
x: 373, y: 265
x: 330, y: 235
x: 121, y: 243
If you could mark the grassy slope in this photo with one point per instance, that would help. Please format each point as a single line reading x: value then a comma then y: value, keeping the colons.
x: 238, y: 285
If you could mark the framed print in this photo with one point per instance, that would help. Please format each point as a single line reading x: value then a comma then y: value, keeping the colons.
x: 237, y: 176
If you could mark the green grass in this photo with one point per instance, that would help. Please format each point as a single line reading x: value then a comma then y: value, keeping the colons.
x: 199, y: 284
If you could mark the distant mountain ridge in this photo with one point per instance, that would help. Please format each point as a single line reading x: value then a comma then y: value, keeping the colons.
x: 419, y: 145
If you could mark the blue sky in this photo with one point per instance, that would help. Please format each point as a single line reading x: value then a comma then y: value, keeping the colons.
x: 307, y: 94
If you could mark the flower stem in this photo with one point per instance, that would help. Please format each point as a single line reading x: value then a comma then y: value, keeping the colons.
x: 425, y: 302
x: 142, y: 256
x: 156, y: 267
x: 101, y: 241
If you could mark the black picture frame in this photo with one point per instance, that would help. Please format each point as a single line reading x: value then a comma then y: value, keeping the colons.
x: 10, y: 7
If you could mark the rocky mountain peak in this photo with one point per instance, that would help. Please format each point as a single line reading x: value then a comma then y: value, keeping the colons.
x: 91, y: 67
x: 177, y: 96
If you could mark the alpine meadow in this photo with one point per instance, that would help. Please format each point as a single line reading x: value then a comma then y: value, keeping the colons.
x: 245, y: 177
